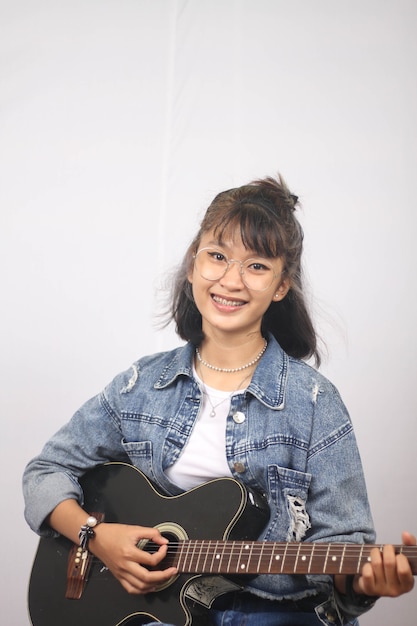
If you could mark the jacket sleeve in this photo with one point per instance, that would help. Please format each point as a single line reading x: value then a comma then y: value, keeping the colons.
x: 340, y: 507
x: 91, y: 437
x: 338, y: 491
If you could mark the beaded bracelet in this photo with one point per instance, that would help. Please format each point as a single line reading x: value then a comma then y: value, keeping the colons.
x: 86, y: 531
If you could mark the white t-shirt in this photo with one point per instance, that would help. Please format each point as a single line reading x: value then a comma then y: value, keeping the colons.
x: 204, y: 456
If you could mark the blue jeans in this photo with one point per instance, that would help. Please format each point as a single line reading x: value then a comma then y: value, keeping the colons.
x: 246, y: 610
x: 237, y: 618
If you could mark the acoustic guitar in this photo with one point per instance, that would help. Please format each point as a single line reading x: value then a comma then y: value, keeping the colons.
x: 210, y: 531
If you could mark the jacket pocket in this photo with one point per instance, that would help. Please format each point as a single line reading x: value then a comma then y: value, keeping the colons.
x: 288, y: 490
x: 140, y: 455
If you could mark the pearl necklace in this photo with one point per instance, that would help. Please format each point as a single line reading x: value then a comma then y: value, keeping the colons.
x: 227, y: 370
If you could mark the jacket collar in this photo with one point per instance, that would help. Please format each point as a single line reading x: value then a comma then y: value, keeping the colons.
x: 268, y: 383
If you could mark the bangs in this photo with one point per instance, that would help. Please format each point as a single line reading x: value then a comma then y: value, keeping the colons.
x: 257, y: 227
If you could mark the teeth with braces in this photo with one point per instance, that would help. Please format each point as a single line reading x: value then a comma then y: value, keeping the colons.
x: 227, y: 302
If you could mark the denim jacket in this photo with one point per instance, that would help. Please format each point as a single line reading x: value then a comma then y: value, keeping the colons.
x: 293, y: 441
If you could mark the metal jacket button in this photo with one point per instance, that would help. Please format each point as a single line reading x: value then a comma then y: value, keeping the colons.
x: 239, y: 468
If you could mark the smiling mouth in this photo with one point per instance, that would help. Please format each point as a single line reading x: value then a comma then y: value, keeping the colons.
x: 226, y: 302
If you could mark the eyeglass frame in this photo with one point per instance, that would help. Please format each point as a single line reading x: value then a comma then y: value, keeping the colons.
x: 241, y: 272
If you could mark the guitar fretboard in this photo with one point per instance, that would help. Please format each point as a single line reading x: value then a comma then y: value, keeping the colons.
x: 258, y: 557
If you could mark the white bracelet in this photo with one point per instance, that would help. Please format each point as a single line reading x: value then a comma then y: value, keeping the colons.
x: 87, y: 532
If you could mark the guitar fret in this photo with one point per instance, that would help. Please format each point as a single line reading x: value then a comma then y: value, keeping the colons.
x: 250, y: 555
x: 232, y: 546
x: 197, y: 564
x: 296, y: 558
x: 277, y: 556
x: 326, y: 559
x: 224, y: 556
x: 217, y: 557
x: 204, y: 565
x: 208, y: 561
x: 230, y: 555
x: 239, y: 564
x: 187, y: 562
x: 270, y: 552
x: 303, y: 550
x: 260, y: 557
x: 313, y: 545
x: 284, y: 556
x: 193, y: 555
x: 179, y: 555
x: 360, y: 559
x: 342, y: 559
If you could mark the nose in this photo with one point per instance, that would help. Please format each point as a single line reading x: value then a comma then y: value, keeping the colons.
x: 234, y: 274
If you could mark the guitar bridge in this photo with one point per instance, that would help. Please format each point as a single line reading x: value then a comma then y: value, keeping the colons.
x: 79, y: 563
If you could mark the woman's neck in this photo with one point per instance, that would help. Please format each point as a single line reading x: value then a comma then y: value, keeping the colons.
x: 223, y: 365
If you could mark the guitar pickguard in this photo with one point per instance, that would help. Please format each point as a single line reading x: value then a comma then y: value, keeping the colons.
x: 205, y: 589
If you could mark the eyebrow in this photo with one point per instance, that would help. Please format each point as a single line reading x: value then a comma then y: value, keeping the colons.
x: 252, y: 254
x: 216, y: 242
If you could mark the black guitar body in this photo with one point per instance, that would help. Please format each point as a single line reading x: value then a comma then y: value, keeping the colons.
x: 219, y: 509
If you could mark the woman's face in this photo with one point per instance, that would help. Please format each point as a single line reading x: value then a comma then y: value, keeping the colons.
x: 227, y: 304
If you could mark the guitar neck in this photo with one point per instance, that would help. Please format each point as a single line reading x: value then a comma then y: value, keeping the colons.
x: 259, y: 557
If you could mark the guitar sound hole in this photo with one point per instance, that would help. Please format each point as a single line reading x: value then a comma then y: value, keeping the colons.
x: 152, y: 547
x: 170, y: 536
x: 174, y: 533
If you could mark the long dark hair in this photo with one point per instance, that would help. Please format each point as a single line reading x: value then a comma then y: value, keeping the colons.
x: 264, y: 211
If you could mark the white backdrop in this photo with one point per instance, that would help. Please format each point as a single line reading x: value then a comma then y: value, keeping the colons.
x: 119, y: 121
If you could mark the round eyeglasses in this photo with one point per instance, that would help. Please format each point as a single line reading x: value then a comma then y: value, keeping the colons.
x: 256, y: 274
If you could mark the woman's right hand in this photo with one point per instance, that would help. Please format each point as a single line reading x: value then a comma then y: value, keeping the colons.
x: 116, y: 545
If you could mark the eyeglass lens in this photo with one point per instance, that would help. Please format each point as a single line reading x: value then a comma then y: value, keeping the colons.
x: 212, y: 264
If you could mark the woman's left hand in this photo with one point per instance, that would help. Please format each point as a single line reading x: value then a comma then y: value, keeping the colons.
x: 387, y: 574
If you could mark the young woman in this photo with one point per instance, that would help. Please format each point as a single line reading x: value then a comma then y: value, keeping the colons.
x: 238, y: 399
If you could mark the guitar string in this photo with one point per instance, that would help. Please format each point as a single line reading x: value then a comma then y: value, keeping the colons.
x: 292, y: 550
x: 294, y: 547
x: 347, y: 553
x: 230, y: 546
x: 359, y: 553
x: 237, y: 547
